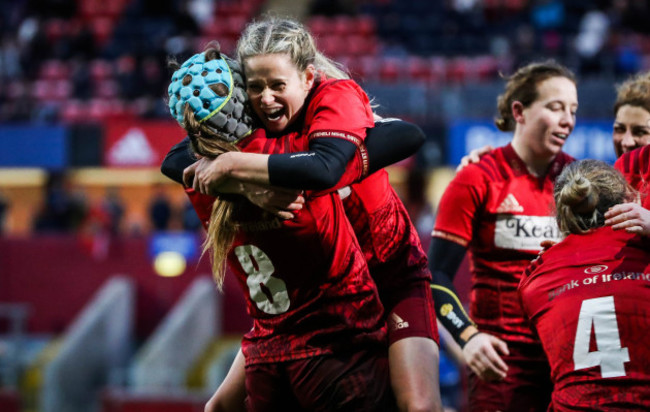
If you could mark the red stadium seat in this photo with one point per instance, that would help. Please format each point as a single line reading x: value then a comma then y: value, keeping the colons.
x: 106, y: 89
x: 343, y: 25
x: 101, y: 69
x: 419, y: 70
x: 389, y: 71
x: 73, y: 111
x: 333, y: 45
x: 458, y: 69
x: 42, y: 90
x: 102, y: 28
x: 51, y: 90
x: 319, y: 25
x: 235, y: 25
x: 366, y: 26
x: 515, y: 5
x: 485, y: 68
x: 90, y: 8
x: 54, y: 70
x: 363, y: 68
x: 62, y: 89
x: 226, y: 43
x: 55, y: 29
x: 360, y: 45
x: 98, y: 110
x: 217, y: 29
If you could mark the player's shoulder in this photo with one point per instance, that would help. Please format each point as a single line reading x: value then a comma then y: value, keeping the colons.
x: 337, y: 88
x: 491, y: 166
x: 635, y: 161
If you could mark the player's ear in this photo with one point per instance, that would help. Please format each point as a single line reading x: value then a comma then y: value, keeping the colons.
x: 517, y: 109
x: 309, y: 76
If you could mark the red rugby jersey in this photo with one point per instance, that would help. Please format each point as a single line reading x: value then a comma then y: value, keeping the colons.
x: 501, y: 213
x: 635, y: 166
x: 340, y: 109
x: 306, y: 281
x: 588, y: 298
x: 387, y: 236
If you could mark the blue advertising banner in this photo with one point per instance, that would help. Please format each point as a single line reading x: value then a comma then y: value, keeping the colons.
x: 33, y: 146
x: 185, y: 243
x: 591, y: 139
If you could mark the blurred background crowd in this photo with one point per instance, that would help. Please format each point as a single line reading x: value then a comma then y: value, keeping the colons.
x: 84, y: 126
x: 86, y: 63
x: 81, y: 60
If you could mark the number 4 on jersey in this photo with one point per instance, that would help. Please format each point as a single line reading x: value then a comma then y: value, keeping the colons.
x: 610, y: 356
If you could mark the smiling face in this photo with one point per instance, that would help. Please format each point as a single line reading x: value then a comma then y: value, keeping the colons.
x: 631, y: 129
x: 277, y: 89
x: 544, y: 126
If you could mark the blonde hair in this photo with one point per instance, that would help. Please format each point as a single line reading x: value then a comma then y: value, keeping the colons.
x: 285, y: 36
x: 635, y: 91
x: 207, y: 140
x: 222, y: 228
x: 522, y: 87
x: 210, y: 143
x: 584, y: 191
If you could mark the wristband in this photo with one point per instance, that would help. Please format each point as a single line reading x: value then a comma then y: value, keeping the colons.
x: 470, y: 338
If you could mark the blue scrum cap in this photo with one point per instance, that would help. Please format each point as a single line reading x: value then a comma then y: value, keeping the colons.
x: 214, y: 91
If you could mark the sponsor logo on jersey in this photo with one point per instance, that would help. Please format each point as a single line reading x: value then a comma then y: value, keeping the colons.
x: 558, y: 291
x: 261, y: 225
x: 510, y: 205
x: 397, y: 323
x: 447, y: 311
x: 524, y: 232
x: 595, y: 269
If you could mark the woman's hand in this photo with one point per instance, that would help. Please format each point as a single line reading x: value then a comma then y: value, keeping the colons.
x: 206, y: 175
x: 481, y: 354
x: 629, y: 216
x: 280, y: 202
x: 474, y: 156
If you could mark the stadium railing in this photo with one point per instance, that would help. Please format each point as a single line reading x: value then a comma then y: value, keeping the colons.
x: 93, y: 352
x: 164, y: 362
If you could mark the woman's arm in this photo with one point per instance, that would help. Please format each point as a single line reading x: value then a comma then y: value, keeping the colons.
x: 445, y: 258
x: 177, y: 159
x: 390, y: 141
x: 231, y: 394
x: 319, y: 168
x: 481, y: 350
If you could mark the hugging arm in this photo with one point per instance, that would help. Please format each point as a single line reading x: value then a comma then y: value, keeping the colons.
x: 631, y: 217
x: 323, y: 165
x: 388, y: 142
x: 275, y: 200
x: 178, y: 158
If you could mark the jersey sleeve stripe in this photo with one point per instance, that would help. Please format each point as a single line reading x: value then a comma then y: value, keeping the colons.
x: 449, y: 236
x: 356, y: 140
